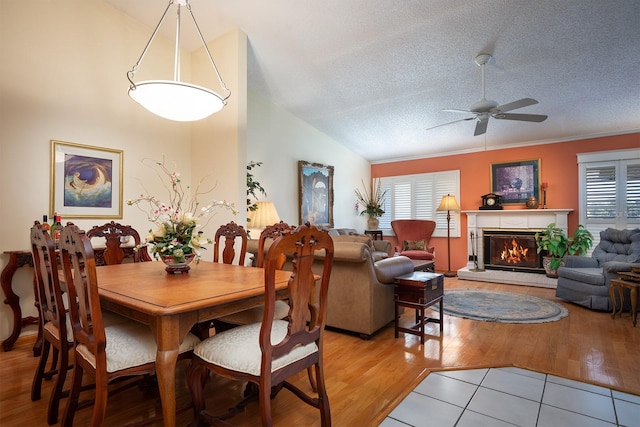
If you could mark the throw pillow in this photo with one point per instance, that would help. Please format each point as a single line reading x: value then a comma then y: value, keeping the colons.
x: 418, y: 245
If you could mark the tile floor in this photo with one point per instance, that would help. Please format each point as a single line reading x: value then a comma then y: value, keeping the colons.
x: 498, y: 397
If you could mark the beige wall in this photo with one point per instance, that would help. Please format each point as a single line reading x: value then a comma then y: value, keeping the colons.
x: 63, y: 77
x: 280, y: 140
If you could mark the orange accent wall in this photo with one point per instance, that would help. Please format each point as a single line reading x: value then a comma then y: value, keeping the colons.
x: 558, y: 167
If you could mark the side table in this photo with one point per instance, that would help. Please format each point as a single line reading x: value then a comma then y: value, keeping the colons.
x: 629, y: 281
x: 375, y: 234
x: 418, y: 290
x: 17, y: 259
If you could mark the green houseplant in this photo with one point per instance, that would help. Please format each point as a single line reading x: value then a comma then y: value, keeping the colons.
x: 557, y: 245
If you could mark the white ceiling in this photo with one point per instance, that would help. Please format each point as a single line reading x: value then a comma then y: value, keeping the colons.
x: 375, y: 74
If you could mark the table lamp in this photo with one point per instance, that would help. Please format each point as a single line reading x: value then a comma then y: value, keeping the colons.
x: 265, y: 215
x: 449, y: 203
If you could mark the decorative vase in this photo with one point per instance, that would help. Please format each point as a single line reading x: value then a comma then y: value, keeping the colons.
x: 532, y: 203
x: 373, y: 223
x: 174, y: 267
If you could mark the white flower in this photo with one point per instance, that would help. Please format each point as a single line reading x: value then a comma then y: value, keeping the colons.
x: 178, y: 219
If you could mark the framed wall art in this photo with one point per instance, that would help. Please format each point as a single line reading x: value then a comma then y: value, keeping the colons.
x: 316, y: 193
x: 516, y: 181
x: 86, y: 182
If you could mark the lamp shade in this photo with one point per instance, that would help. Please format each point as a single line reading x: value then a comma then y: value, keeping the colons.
x: 175, y: 100
x: 265, y: 215
x: 448, y: 203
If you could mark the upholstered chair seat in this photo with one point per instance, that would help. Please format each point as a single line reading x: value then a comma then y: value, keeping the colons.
x: 238, y: 349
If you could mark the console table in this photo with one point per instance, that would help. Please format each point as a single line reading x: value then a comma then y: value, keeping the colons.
x: 17, y: 259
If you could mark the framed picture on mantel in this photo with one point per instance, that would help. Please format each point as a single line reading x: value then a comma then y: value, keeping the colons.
x: 516, y: 181
x: 86, y: 181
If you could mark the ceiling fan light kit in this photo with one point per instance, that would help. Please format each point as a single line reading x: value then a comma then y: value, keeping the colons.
x: 485, y: 109
x: 173, y: 99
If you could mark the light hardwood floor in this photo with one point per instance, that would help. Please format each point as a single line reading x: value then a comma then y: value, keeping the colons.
x: 366, y: 379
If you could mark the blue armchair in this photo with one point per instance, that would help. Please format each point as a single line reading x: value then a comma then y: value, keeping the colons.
x: 586, y: 280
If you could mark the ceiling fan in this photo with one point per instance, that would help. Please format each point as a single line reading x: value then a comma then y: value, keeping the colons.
x: 486, y: 108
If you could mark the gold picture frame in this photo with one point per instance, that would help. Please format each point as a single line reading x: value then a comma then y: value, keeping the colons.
x: 315, y: 183
x: 86, y: 181
x: 516, y: 181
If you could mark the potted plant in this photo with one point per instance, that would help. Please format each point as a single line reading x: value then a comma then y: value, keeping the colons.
x: 371, y: 203
x: 557, y: 245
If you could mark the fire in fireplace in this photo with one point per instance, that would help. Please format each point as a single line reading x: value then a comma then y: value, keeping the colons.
x: 513, y: 250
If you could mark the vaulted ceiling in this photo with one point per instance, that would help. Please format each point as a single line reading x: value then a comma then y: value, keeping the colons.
x: 376, y: 74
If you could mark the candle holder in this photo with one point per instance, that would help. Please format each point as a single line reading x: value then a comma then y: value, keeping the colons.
x: 544, y: 194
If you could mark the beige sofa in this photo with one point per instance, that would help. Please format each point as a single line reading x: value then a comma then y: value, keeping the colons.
x: 361, y: 289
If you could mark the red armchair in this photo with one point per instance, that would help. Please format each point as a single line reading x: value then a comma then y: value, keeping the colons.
x: 413, y: 238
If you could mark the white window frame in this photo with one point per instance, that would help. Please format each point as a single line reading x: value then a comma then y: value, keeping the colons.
x: 619, y: 160
x: 437, y: 184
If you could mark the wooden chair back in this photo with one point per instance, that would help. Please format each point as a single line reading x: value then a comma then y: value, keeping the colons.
x: 45, y: 264
x: 113, y: 232
x: 272, y: 232
x: 79, y: 268
x: 53, y: 321
x: 230, y: 232
x: 301, y: 245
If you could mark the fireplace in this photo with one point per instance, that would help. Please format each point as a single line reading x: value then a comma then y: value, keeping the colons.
x: 511, y: 250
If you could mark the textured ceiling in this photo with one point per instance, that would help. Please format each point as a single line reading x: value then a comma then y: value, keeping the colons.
x: 376, y: 74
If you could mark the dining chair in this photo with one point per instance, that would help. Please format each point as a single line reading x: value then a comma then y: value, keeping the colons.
x: 271, y: 351
x: 107, y: 353
x: 56, y: 329
x: 254, y: 315
x: 230, y: 232
x: 114, y: 233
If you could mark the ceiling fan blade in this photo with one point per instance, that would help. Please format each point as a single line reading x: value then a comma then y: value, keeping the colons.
x: 481, y: 127
x: 522, y: 117
x: 450, y: 123
x: 454, y: 110
x: 524, y: 102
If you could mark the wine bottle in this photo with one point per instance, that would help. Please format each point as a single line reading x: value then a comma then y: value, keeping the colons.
x: 57, y: 228
x: 45, y: 223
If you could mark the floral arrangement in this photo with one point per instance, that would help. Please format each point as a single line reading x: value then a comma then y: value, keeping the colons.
x: 178, y: 224
x: 371, y: 203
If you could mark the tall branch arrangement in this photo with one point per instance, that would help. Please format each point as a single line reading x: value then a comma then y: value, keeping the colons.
x: 178, y: 222
x: 371, y: 202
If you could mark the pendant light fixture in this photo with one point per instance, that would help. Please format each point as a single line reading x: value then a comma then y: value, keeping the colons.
x: 173, y: 99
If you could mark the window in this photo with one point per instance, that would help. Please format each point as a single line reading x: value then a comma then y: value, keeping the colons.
x: 609, y: 190
x: 418, y: 197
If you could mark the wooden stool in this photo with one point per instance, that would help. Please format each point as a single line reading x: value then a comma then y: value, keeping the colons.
x: 418, y: 290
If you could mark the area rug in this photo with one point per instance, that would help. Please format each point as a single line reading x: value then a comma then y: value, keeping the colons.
x: 505, y: 307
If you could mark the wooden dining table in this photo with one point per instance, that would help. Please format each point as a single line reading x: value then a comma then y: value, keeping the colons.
x: 172, y: 303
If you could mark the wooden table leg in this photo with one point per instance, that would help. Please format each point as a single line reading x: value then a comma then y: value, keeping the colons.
x: 634, y: 304
x: 621, y: 293
x: 169, y: 332
x: 612, y: 296
x: 17, y: 259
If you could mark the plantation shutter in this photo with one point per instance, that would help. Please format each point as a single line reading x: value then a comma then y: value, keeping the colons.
x: 418, y: 196
x: 609, y: 190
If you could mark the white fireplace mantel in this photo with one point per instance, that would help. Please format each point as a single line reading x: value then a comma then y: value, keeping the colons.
x: 515, y: 219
